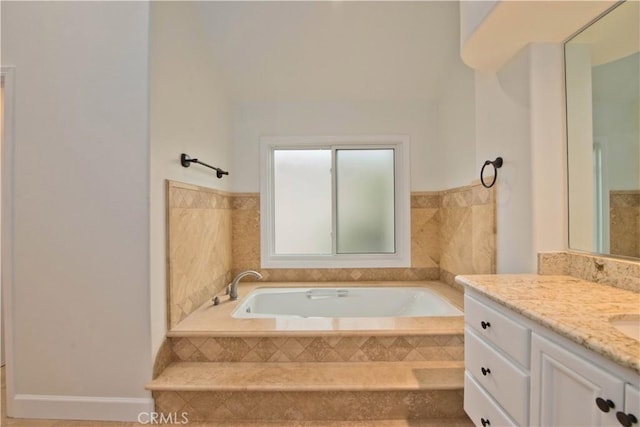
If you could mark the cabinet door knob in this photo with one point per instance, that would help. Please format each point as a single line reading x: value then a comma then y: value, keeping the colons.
x: 604, y: 405
x: 485, y: 371
x: 485, y: 422
x: 626, y: 419
x: 485, y: 325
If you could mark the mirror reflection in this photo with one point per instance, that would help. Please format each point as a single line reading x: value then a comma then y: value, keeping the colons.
x: 602, y: 65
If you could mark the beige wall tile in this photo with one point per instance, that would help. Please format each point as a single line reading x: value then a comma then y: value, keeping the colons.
x: 624, y: 229
x: 483, y: 238
x: 467, y: 232
x: 245, y: 239
x: 214, y: 235
x: 624, y: 274
x: 425, y: 237
x: 164, y: 358
x: 199, y: 246
x: 425, y: 246
x: 319, y: 406
x: 426, y: 199
x: 621, y: 273
x: 552, y: 263
x: 318, y: 349
x: 456, y: 240
x: 428, y: 233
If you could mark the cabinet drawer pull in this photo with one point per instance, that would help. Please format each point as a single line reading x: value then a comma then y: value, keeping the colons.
x: 485, y: 371
x: 626, y: 419
x: 485, y: 422
x: 485, y: 325
x: 604, y: 405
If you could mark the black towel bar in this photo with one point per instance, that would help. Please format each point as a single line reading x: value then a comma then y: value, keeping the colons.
x: 186, y: 161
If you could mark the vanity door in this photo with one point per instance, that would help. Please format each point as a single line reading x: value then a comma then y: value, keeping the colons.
x: 630, y: 416
x: 567, y: 390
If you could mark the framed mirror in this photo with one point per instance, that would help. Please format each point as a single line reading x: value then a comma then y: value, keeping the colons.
x: 602, y: 71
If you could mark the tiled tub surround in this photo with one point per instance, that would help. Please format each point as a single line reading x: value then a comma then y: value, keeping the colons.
x: 620, y: 273
x: 425, y: 246
x: 624, y: 223
x: 213, y: 235
x: 198, y: 247
x: 452, y: 232
x: 467, y: 232
x: 212, y: 366
x: 218, y: 368
x: 211, y: 334
x: 574, y: 308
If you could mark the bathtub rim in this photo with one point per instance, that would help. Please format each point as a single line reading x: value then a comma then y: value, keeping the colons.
x: 216, y: 321
x: 262, y: 290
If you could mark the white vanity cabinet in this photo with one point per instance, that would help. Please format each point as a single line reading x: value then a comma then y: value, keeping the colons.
x: 630, y: 415
x: 518, y: 372
x: 567, y: 386
x: 496, y: 366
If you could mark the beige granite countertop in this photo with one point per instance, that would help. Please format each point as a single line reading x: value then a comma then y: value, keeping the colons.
x: 576, y: 309
x: 216, y: 321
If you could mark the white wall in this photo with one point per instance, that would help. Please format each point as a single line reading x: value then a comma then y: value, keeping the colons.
x: 80, y: 325
x: 519, y: 117
x: 457, y: 129
x: 326, y: 51
x: 189, y: 113
x: 503, y: 129
x: 416, y: 119
x: 548, y: 148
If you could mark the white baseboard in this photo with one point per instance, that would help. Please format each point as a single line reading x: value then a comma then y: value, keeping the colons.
x: 78, y: 407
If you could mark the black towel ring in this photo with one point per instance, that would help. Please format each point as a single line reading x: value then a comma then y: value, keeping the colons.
x: 497, y: 164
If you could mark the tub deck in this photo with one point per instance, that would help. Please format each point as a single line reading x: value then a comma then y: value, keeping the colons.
x: 347, y: 371
x: 216, y: 321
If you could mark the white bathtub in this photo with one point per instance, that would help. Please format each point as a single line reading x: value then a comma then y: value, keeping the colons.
x: 344, y: 302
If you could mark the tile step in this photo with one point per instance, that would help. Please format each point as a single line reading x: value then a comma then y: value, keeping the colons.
x: 399, y: 348
x: 300, y: 406
x: 439, y: 422
x: 295, y: 377
x: 437, y: 326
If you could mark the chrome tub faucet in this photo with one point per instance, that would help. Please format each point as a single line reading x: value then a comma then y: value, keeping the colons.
x: 233, y: 286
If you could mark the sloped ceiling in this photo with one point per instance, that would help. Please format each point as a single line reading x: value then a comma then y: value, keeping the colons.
x: 333, y: 50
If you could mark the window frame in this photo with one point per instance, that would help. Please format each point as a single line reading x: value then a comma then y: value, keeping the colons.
x: 402, y: 256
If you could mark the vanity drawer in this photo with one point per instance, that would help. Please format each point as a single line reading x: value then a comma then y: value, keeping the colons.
x: 509, y: 336
x: 508, y: 385
x: 480, y: 407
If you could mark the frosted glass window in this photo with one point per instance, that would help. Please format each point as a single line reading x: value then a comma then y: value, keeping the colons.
x: 335, y: 202
x: 365, y: 209
x: 302, y: 201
